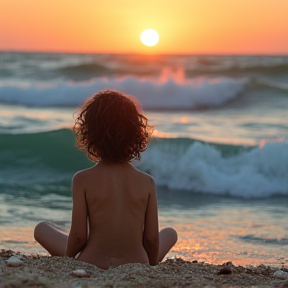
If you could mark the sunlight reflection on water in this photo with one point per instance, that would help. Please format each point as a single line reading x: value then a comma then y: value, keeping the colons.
x: 211, y: 229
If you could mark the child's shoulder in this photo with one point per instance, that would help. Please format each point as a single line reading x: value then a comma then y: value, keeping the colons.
x: 81, y: 174
x: 146, y: 177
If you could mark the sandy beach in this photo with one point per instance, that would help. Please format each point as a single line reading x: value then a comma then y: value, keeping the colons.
x: 44, y: 271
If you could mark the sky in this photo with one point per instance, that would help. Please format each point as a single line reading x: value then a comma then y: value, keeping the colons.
x: 114, y: 26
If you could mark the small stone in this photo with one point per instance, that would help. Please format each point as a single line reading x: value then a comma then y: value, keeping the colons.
x: 6, y: 253
x: 80, y: 273
x: 14, y: 261
x: 195, y: 261
x: 21, y: 256
x: 280, y: 274
x: 225, y: 270
x: 228, y: 263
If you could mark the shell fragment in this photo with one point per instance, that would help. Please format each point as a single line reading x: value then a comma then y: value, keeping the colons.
x: 14, y: 261
x: 80, y: 273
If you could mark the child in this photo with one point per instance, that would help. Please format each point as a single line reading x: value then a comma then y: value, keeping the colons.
x: 114, y: 216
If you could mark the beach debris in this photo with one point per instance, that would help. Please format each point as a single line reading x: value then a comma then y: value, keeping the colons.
x: 20, y: 256
x: 225, y: 270
x: 14, y: 261
x: 263, y: 270
x: 280, y: 274
x: 6, y: 253
x: 80, y: 273
x: 229, y: 263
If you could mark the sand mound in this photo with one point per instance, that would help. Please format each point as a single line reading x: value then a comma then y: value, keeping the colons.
x: 56, y: 272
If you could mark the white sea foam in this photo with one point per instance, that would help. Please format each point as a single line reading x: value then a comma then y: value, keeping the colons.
x: 259, y: 172
x: 160, y: 94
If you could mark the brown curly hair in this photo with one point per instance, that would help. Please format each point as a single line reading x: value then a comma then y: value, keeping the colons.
x: 110, y: 128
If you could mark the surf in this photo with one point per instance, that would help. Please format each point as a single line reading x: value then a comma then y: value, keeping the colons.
x: 47, y: 160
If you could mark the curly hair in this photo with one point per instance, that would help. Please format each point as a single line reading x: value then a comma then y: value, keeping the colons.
x: 111, y: 129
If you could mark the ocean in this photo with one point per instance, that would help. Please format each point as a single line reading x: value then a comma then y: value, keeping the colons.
x: 219, y: 154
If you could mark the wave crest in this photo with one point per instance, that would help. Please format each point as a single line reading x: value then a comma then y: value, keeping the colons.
x: 166, y: 94
x: 47, y: 158
x: 248, y: 173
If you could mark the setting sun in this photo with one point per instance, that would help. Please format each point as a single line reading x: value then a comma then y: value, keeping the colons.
x: 149, y: 37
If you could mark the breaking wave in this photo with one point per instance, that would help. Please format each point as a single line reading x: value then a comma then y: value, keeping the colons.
x: 46, y: 161
x: 168, y: 94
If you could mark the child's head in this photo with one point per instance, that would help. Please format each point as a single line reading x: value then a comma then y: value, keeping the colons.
x: 110, y: 127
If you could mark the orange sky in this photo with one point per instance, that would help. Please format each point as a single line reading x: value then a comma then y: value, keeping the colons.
x: 114, y: 26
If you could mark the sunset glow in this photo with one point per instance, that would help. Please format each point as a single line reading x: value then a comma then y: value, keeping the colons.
x: 149, y: 37
x: 113, y: 26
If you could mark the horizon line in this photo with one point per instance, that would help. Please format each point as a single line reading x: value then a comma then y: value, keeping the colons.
x: 145, y: 53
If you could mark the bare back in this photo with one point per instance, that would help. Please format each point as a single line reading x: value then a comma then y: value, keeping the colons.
x: 119, y: 202
x: 117, y: 197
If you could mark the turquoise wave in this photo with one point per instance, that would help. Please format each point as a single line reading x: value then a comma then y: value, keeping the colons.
x: 53, y: 150
x: 45, y: 163
x: 56, y: 150
x: 40, y: 163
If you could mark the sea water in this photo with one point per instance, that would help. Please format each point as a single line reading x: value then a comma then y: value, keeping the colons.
x: 219, y: 154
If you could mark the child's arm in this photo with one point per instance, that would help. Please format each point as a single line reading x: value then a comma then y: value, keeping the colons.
x: 78, y: 233
x: 151, y: 232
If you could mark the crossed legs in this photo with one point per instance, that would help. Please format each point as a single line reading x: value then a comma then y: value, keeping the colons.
x: 51, y: 238
x: 167, y: 239
x: 55, y: 240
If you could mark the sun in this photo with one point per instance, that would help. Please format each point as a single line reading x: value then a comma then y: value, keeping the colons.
x: 149, y: 37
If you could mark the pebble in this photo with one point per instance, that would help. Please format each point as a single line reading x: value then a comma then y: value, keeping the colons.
x: 6, y: 253
x: 228, y: 263
x: 14, y: 261
x: 280, y: 274
x: 80, y: 273
x: 225, y: 270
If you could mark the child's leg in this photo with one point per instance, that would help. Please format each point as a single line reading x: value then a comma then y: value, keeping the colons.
x: 52, y: 239
x: 167, y: 239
